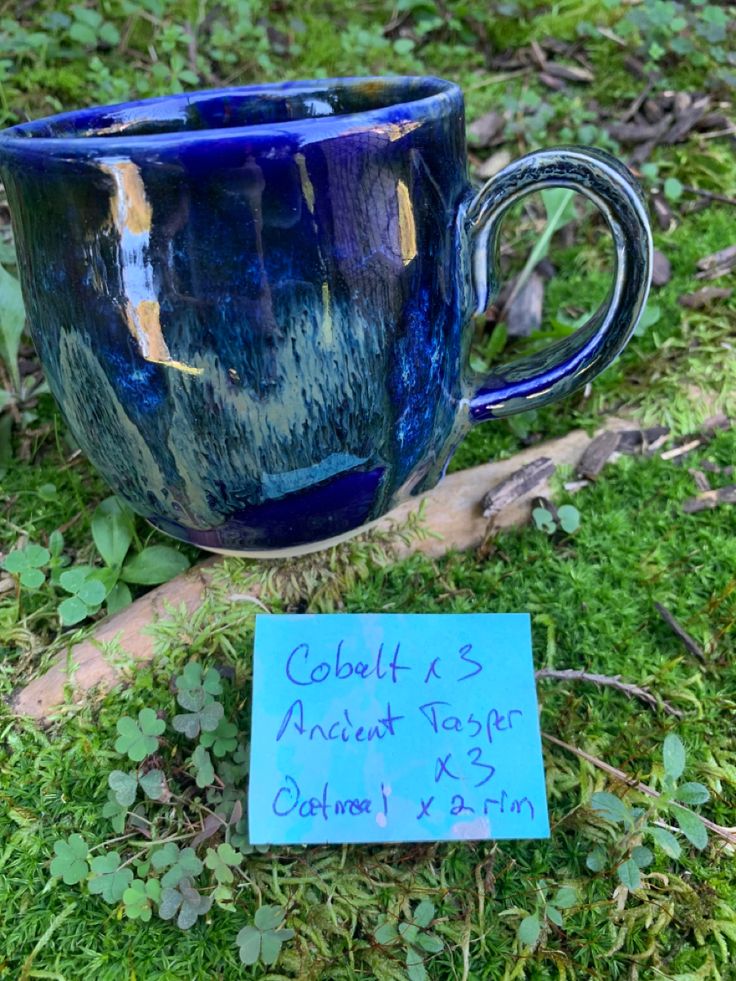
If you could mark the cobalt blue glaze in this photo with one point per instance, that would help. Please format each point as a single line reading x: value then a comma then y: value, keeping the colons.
x: 252, y: 304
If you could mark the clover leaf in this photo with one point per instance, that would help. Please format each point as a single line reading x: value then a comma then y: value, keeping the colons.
x: 185, y: 866
x: 115, y: 811
x: 26, y: 565
x: 221, y: 861
x: 166, y: 856
x: 138, y: 739
x: 221, y: 740
x: 263, y: 941
x: 70, y: 861
x: 205, y: 717
x: 194, y: 680
x: 108, y: 879
x: 186, y: 901
x: 204, y: 771
x: 139, y: 897
x: 124, y: 787
x: 87, y: 591
x: 153, y: 785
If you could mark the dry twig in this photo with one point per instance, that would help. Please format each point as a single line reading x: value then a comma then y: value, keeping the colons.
x: 611, y: 681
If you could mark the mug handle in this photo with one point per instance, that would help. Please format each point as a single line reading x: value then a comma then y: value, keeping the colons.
x: 565, y: 365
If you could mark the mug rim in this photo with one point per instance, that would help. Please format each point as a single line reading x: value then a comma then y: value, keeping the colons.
x: 91, y: 139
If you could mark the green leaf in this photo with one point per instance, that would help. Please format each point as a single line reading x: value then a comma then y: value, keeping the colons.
x: 424, y: 913
x: 153, y: 784
x: 529, y: 930
x: 108, y: 879
x: 221, y: 740
x: 73, y: 579
x: 268, y: 917
x: 12, y: 320
x: 543, y: 520
x: 112, y: 530
x: 204, y: 770
x: 271, y: 942
x: 70, y: 861
x: 206, y: 720
x: 155, y: 564
x: 673, y: 754
x: 692, y: 793
x: 666, y: 841
x: 32, y: 578
x: 220, y: 860
x: 118, y: 598
x: 72, y: 610
x: 415, y: 965
x: 56, y: 543
x: 553, y: 914
x: 150, y: 723
x: 124, y: 786
x: 565, y: 897
x: 642, y: 856
x: 139, y: 897
x: 117, y: 814
x: 409, y: 931
x: 193, y: 677
x: 187, y: 866
x: 569, y: 518
x: 648, y: 318
x: 164, y: 857
x: 629, y: 875
x: 47, y: 492
x: 673, y: 189
x: 610, y: 807
x: 249, y: 945
x: 430, y: 942
x: 92, y: 592
x: 691, y: 826
x: 139, y: 739
x: 596, y: 859
x: 386, y: 932
x: 559, y: 204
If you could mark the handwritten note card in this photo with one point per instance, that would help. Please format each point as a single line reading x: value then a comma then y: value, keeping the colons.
x: 394, y: 727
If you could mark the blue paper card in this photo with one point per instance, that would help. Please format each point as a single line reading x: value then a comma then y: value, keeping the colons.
x: 394, y: 727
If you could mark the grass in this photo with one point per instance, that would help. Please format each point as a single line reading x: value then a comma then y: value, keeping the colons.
x: 591, y: 596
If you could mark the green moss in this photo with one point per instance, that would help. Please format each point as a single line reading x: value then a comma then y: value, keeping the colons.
x: 591, y: 596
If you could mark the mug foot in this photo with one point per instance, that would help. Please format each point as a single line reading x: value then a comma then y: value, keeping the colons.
x: 291, y: 552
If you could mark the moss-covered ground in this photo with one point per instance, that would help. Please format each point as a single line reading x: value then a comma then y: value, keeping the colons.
x: 591, y: 595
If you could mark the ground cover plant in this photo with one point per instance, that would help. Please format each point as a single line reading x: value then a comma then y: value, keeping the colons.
x: 123, y: 851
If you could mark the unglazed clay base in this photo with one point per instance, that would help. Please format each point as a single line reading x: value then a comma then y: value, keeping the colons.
x: 297, y: 550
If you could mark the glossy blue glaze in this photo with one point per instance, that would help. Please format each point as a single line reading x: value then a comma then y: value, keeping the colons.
x: 252, y: 304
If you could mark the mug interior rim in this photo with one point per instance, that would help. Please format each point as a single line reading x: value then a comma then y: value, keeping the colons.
x: 81, y: 129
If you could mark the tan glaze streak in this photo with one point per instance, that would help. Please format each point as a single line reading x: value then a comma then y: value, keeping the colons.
x: 129, y: 204
x: 307, y: 186
x: 407, y: 225
x: 131, y: 216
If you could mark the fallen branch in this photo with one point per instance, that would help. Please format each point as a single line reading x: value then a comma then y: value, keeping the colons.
x: 710, y: 499
x: 516, y: 485
x: 727, y: 834
x: 690, y: 643
x: 611, y: 681
x: 451, y: 513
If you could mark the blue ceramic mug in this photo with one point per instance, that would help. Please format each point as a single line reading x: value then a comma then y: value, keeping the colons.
x: 253, y: 305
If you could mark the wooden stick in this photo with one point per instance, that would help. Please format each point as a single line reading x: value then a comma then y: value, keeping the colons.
x: 612, y: 681
x: 452, y: 512
x: 690, y: 643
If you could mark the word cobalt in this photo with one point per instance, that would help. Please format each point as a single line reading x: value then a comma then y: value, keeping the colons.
x: 394, y: 727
